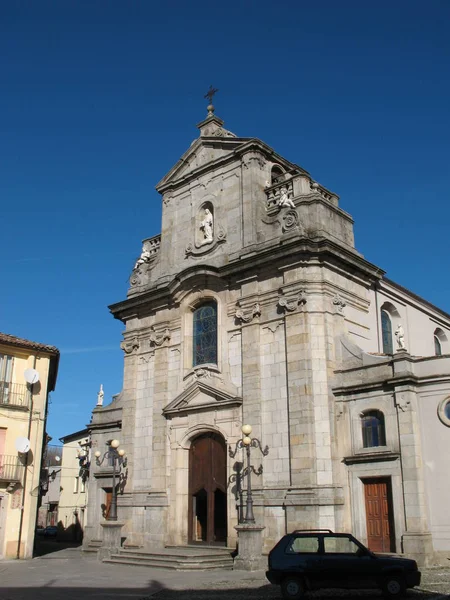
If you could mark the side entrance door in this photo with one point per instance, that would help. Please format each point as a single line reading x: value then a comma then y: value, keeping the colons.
x: 207, y: 490
x: 379, y: 515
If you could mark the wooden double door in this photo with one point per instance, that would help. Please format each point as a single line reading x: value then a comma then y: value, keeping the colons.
x: 208, y: 490
x: 379, y: 515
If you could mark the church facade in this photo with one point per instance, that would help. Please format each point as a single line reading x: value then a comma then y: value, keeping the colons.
x: 254, y: 307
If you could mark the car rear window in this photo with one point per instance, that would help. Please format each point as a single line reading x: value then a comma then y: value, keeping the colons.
x: 300, y: 545
x: 339, y: 545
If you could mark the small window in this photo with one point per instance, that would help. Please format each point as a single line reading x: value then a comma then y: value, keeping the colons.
x: 300, y: 545
x: 205, y: 334
x: 444, y: 411
x: 83, y: 486
x: 75, y: 485
x: 340, y: 545
x: 437, y: 346
x: 386, y: 330
x: 373, y: 430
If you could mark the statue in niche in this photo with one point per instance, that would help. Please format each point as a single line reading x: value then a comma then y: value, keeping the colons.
x: 400, y: 335
x: 284, y: 200
x: 207, y: 226
x: 144, y: 257
x: 100, y: 396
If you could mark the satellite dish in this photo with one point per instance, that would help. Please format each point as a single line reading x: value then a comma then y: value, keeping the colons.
x: 22, y: 444
x: 31, y: 376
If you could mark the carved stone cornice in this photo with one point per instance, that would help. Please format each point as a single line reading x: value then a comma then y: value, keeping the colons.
x: 157, y: 339
x: 288, y: 301
x: 130, y: 346
x: 247, y: 316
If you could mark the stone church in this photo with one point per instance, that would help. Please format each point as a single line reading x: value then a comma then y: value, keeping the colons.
x: 254, y: 307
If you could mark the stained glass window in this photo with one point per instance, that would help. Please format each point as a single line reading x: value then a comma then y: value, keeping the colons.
x: 373, y: 429
x: 386, y: 329
x: 437, y: 346
x: 205, y: 334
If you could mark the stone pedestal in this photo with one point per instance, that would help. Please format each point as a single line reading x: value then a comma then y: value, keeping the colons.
x: 112, y: 532
x: 419, y: 546
x: 250, y: 556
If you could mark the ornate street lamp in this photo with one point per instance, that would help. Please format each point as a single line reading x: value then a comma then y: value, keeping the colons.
x: 114, y: 457
x: 246, y: 443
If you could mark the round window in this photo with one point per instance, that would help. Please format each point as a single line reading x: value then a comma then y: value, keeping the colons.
x: 444, y: 411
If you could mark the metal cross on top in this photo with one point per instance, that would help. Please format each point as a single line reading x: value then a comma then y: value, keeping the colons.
x: 210, y: 93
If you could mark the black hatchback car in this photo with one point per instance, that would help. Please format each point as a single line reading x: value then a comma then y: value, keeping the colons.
x: 312, y: 560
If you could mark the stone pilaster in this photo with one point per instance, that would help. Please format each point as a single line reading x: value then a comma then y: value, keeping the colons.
x: 300, y: 399
x: 417, y: 539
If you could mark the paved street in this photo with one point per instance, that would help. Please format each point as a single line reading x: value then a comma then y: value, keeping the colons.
x: 69, y: 575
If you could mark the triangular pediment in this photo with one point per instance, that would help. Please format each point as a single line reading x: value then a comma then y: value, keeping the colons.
x: 202, y: 151
x: 209, y: 153
x: 201, y: 396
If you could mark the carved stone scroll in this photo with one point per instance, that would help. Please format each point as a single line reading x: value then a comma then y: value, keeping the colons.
x: 339, y: 303
x: 289, y: 302
x: 130, y: 346
x: 247, y: 316
x: 156, y: 339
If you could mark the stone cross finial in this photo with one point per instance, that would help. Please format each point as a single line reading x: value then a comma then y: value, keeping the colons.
x: 210, y: 94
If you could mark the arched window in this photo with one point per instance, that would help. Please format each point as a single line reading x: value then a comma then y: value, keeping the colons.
x: 437, y: 346
x: 373, y: 431
x: 205, y: 334
x: 277, y: 175
x: 386, y: 330
x: 440, y: 342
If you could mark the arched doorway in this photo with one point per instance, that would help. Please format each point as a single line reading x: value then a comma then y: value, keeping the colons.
x: 208, y: 490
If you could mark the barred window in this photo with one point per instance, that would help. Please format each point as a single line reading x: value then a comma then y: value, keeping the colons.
x: 205, y: 334
x: 373, y: 430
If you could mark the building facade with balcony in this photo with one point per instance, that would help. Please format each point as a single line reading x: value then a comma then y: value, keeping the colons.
x: 23, y: 411
x: 254, y: 306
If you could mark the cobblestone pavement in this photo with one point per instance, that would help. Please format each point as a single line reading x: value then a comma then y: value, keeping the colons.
x: 435, y: 586
x: 70, y: 575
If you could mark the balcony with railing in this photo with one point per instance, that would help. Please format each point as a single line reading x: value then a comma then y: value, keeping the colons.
x: 10, y: 468
x: 14, y: 394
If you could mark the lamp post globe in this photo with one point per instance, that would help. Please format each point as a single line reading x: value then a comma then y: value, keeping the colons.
x: 246, y: 429
x: 115, y: 443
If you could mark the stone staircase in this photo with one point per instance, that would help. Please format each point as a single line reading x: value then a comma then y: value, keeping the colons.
x: 93, y: 546
x: 178, y: 558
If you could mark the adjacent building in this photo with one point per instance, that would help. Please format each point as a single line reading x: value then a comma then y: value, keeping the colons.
x: 253, y: 306
x: 23, y: 411
x: 74, y: 480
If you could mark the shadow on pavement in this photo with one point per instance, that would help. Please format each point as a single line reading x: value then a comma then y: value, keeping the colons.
x: 45, y: 546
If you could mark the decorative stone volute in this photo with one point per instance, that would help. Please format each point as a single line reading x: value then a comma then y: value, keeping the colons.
x: 157, y: 339
x: 288, y: 301
x: 130, y: 346
x: 246, y: 315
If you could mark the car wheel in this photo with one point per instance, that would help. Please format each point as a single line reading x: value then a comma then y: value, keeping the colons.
x: 292, y: 588
x: 393, y: 587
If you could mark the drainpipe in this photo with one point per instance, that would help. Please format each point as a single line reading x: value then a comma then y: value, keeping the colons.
x: 22, y: 508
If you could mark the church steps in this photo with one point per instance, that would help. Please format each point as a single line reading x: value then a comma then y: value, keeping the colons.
x: 185, y: 559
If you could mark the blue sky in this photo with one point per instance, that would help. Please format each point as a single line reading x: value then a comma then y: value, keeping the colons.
x: 99, y: 99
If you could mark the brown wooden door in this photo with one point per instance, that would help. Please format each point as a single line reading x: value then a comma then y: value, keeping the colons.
x: 207, y: 490
x: 106, y: 506
x: 379, y: 515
